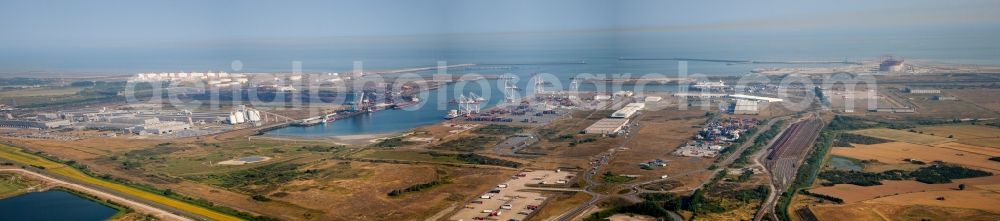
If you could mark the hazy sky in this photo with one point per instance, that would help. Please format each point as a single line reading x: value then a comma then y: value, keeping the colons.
x: 39, y: 24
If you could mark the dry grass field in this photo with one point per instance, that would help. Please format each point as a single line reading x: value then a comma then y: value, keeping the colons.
x: 851, y: 193
x: 41, y: 92
x: 405, y: 155
x: 977, y: 135
x: 897, y: 152
x: 85, y: 148
x: 745, y: 212
x: 983, y: 97
x: 966, y: 199
x: 559, y: 203
x: 928, y: 107
x: 903, y: 136
x: 364, y: 196
x: 631, y: 217
x: 337, y: 193
x: 660, y: 134
x: 989, y: 151
x: 858, y: 99
x: 865, y: 211
x: 657, y: 139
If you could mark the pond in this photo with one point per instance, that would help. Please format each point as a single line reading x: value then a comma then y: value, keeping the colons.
x: 252, y: 159
x: 53, y: 205
x: 844, y: 163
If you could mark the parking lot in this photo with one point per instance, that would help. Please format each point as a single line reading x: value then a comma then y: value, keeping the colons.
x: 507, y: 201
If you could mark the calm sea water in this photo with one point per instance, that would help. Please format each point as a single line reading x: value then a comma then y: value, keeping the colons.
x: 53, y: 205
x: 971, y: 43
x: 433, y: 107
x: 600, y: 50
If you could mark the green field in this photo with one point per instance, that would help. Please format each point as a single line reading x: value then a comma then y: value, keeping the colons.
x: 468, y: 144
x: 11, y: 184
x: 406, y: 155
x: 42, y: 91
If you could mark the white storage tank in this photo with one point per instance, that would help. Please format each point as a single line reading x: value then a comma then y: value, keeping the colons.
x: 240, y: 117
x: 253, y: 115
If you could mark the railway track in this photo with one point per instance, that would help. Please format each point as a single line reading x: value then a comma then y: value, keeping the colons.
x: 784, y: 157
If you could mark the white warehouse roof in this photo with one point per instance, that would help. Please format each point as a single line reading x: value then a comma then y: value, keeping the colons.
x: 759, y: 98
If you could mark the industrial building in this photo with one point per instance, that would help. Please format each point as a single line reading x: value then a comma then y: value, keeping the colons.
x: 242, y: 114
x: 629, y: 110
x: 890, y: 64
x: 700, y: 95
x: 923, y: 91
x: 34, y: 123
x: 945, y: 98
x: 892, y: 110
x: 166, y: 127
x: 653, y: 99
x: 742, y: 106
x: 602, y: 97
x: 136, y: 125
x: 756, y: 98
x: 607, y: 126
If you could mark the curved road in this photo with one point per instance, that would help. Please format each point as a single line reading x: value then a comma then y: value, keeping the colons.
x: 141, y: 207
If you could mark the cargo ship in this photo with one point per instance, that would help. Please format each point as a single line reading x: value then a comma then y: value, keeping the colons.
x: 312, y: 121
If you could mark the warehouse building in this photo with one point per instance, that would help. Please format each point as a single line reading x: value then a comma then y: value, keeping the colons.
x: 607, y: 126
x: 945, y: 98
x: 742, y: 106
x: 923, y: 91
x: 34, y: 123
x: 756, y: 98
x: 165, y: 127
x: 629, y: 110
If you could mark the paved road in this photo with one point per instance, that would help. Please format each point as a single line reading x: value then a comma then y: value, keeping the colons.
x: 141, y: 207
x: 589, y: 177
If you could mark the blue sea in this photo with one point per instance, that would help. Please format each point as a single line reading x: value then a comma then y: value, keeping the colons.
x: 527, y: 54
